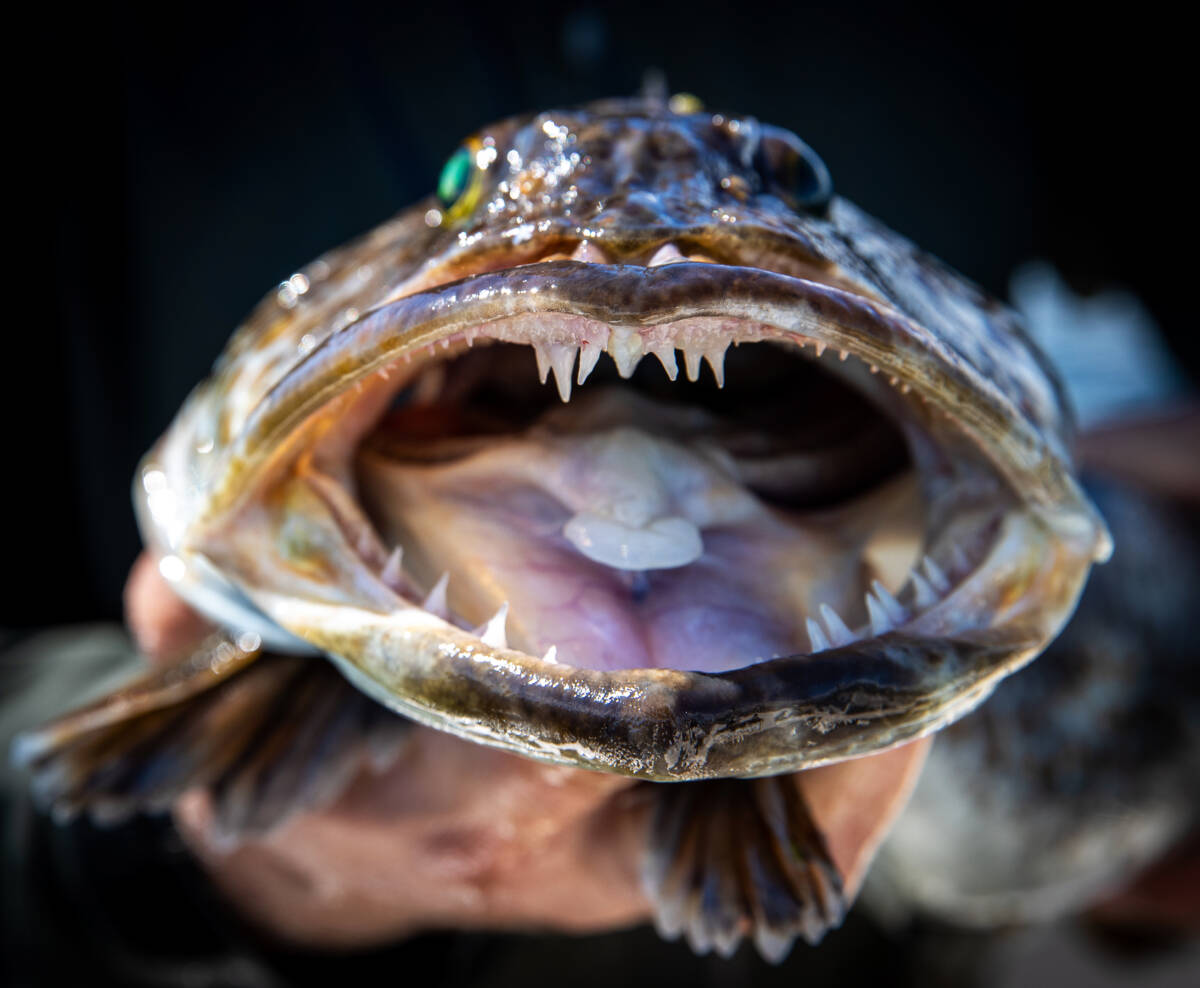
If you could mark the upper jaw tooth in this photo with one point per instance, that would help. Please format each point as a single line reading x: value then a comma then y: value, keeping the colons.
x: 589, y: 253
x: 665, y: 353
x: 716, y: 361
x: 626, y: 348
x: 562, y: 360
x: 589, y: 353
x: 666, y: 254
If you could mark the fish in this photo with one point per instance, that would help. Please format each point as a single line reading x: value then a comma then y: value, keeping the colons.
x: 1075, y: 783
x: 451, y: 474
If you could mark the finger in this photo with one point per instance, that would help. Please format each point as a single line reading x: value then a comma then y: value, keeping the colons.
x: 161, y: 623
x: 855, y: 803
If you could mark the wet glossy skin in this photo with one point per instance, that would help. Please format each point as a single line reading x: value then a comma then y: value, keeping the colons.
x: 609, y: 186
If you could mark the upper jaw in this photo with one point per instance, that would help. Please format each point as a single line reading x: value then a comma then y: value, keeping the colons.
x: 911, y: 672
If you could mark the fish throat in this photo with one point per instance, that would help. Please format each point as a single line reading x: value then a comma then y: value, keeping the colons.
x: 643, y: 484
x: 684, y: 508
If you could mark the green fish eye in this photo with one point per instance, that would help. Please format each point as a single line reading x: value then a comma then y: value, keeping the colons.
x: 456, y: 175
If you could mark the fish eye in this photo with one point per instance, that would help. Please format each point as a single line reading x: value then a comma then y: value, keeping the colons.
x: 461, y: 181
x: 456, y: 174
x: 792, y: 170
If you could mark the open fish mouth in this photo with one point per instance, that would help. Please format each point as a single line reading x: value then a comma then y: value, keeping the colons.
x: 675, y: 519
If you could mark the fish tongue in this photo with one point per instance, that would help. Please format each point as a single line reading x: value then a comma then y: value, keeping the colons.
x: 619, y: 547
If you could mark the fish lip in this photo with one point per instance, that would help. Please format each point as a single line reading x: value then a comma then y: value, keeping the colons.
x: 638, y: 297
x: 782, y: 714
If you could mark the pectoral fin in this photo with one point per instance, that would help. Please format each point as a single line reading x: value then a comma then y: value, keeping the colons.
x: 269, y: 735
x: 736, y: 858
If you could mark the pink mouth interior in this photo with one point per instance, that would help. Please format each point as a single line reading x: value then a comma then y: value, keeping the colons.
x: 784, y: 479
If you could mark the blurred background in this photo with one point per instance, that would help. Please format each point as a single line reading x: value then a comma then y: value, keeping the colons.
x: 177, y: 163
x: 178, y: 166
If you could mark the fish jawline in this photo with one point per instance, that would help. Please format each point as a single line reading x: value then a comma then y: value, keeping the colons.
x: 780, y: 715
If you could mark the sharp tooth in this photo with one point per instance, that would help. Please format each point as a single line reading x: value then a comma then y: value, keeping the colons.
x: 691, y: 361
x: 816, y: 635
x: 716, y: 360
x: 839, y: 634
x: 589, y: 253
x: 542, y: 353
x: 492, y: 633
x: 551, y: 655
x: 935, y: 574
x: 880, y: 624
x: 820, y: 347
x: 666, y: 356
x: 959, y: 558
x: 562, y: 361
x: 925, y: 595
x: 393, y: 574
x: 625, y: 347
x: 589, y: 353
x: 666, y: 254
x: 896, y: 614
x: 435, y: 603
x: 843, y: 354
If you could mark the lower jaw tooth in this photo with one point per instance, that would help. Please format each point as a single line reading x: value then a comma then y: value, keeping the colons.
x: 819, y: 642
x: 493, y: 633
x: 551, y: 655
x: 435, y: 603
x: 839, y: 634
x: 393, y: 574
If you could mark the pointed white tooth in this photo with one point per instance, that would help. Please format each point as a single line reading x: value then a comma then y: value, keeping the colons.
x: 839, y: 634
x: 551, y: 655
x: 816, y: 635
x: 666, y: 254
x: 562, y: 361
x: 435, y: 603
x: 542, y: 353
x: 959, y: 558
x: 880, y: 625
x: 819, y: 346
x: 924, y: 595
x: 625, y: 347
x: 935, y: 574
x: 896, y: 614
x: 393, y: 573
x: 666, y: 356
x: 493, y: 633
x: 589, y: 353
x: 691, y: 361
x: 716, y: 360
x: 590, y: 253
x: 843, y: 354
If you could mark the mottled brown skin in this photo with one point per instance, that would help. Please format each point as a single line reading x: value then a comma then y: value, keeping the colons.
x: 455, y: 835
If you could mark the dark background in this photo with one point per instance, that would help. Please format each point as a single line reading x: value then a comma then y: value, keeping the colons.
x: 178, y: 162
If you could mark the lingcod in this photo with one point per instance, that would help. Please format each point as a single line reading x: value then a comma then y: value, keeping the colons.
x: 850, y: 516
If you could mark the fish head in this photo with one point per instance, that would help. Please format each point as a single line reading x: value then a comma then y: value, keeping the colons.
x: 847, y: 516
